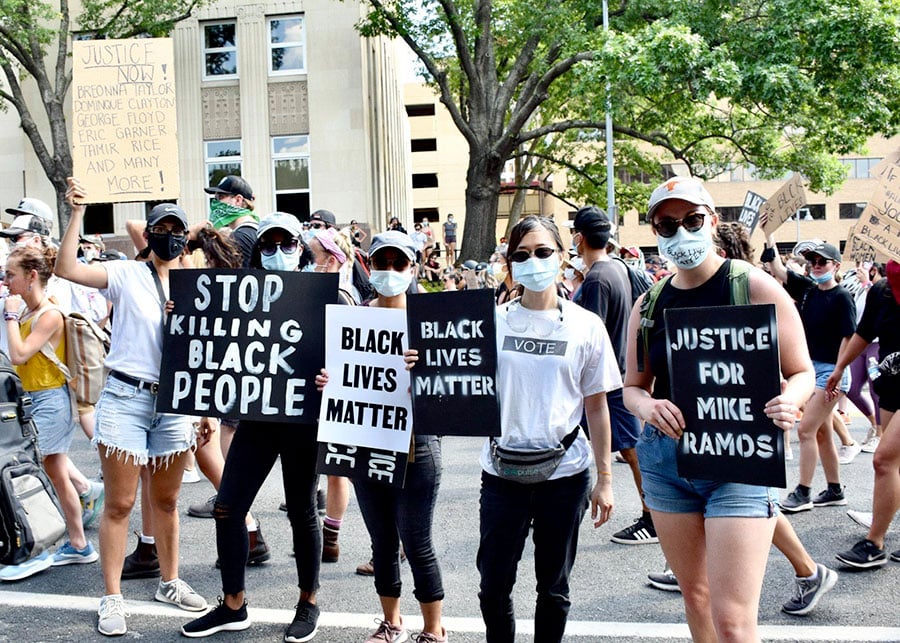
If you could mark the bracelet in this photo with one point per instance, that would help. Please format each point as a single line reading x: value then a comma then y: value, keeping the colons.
x: 604, y: 473
x: 9, y: 315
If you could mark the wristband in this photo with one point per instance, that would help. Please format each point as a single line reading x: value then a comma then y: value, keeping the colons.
x: 9, y: 315
x: 768, y: 255
x: 604, y: 473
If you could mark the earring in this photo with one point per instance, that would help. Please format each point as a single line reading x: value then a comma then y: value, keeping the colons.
x: 29, y: 287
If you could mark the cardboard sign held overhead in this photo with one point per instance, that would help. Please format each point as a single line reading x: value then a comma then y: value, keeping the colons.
x: 783, y: 204
x: 124, y: 138
x: 887, y: 165
x: 880, y: 230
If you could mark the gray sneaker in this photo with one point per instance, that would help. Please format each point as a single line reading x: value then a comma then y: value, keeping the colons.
x: 665, y: 580
x: 796, y: 501
x: 829, y: 498
x: 807, y: 593
x: 387, y: 632
x: 111, y: 616
x: 203, y: 509
x: 180, y: 594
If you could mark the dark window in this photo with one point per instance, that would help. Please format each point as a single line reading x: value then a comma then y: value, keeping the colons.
x: 810, y: 212
x: 729, y: 213
x: 100, y: 219
x: 424, y: 144
x: 296, y: 203
x: 425, y: 213
x: 425, y: 180
x: 850, y: 210
x: 420, y: 110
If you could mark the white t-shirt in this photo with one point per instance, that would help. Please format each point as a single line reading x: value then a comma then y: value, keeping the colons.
x: 542, y: 381
x: 137, y: 332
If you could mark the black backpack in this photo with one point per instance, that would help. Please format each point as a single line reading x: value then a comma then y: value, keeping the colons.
x: 31, y: 520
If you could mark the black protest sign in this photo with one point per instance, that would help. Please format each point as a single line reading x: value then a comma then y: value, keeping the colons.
x: 362, y: 463
x: 750, y: 211
x: 454, y: 381
x: 723, y: 366
x: 245, y: 344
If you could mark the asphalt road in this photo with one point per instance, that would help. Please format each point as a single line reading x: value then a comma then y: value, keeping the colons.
x: 611, y: 600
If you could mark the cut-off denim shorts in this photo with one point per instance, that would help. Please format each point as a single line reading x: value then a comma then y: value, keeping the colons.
x: 129, y: 426
x: 53, y: 417
x: 824, y: 369
x: 664, y: 490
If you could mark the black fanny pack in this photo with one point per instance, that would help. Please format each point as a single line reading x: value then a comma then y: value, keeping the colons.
x: 530, y: 465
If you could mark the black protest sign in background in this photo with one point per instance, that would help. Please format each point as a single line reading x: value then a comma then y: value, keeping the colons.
x: 750, y: 211
x: 724, y: 367
x: 362, y: 463
x: 454, y: 381
x: 245, y: 344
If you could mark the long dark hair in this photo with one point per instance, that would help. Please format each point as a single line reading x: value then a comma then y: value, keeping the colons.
x: 218, y: 250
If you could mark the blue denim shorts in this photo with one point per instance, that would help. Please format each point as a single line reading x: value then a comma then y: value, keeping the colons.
x: 626, y: 429
x: 52, y: 413
x: 664, y: 490
x: 128, y: 425
x: 824, y: 369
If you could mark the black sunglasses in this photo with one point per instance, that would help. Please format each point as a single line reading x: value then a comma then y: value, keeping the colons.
x: 287, y: 247
x: 668, y: 227
x: 523, y: 255
x: 818, y: 261
x: 398, y: 263
x: 317, y: 225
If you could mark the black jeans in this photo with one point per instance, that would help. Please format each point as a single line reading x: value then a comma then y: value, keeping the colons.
x: 251, y: 457
x: 556, y: 508
x: 393, y: 515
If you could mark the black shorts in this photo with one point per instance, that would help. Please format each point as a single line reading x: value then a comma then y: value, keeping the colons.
x: 887, y: 387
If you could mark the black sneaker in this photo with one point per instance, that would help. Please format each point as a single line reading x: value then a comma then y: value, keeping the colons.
x: 221, y: 619
x: 796, y: 501
x: 304, y: 625
x: 320, y: 502
x: 895, y: 556
x: 808, y: 592
x: 864, y: 555
x: 641, y: 532
x: 665, y: 580
x: 829, y: 498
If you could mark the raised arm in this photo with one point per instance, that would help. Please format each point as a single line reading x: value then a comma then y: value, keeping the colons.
x: 776, y: 265
x: 67, y: 264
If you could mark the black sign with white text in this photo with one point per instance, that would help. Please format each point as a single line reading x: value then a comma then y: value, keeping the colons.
x: 245, y: 344
x: 723, y: 368
x: 454, y: 382
x: 362, y: 463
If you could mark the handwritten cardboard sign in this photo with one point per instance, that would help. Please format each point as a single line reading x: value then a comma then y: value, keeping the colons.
x: 887, y: 165
x: 783, y: 204
x: 124, y: 138
x: 454, y: 382
x: 723, y: 365
x: 880, y: 230
x: 245, y: 344
x: 366, y: 402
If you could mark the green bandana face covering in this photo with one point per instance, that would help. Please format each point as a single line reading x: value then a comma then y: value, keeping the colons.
x: 222, y: 214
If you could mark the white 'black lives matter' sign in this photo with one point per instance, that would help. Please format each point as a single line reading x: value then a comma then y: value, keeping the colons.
x: 245, y: 344
x: 723, y: 368
x: 454, y: 382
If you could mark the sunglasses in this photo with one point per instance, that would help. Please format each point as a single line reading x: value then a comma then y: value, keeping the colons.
x: 161, y: 229
x: 287, y: 247
x: 398, y: 263
x: 318, y: 225
x: 818, y: 262
x: 668, y: 227
x: 523, y: 255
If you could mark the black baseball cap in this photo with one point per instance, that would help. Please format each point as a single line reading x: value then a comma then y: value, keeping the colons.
x: 326, y: 216
x: 234, y: 185
x: 591, y: 219
x: 164, y: 210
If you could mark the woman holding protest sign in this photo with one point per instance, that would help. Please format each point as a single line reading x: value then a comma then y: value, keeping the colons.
x: 707, y: 529
x: 254, y: 450
x: 128, y: 429
x: 404, y: 515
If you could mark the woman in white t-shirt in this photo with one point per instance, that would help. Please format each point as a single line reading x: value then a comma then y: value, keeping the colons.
x: 129, y: 433
x: 554, y: 361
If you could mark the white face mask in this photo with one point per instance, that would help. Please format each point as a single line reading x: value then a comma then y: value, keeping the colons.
x: 536, y: 274
x: 281, y: 261
x: 687, y: 249
x: 390, y: 283
x: 569, y: 273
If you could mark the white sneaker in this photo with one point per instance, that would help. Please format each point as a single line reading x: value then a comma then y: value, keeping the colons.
x: 111, y: 616
x: 871, y: 442
x: 180, y: 594
x: 861, y: 518
x: 848, y: 452
x: 190, y: 476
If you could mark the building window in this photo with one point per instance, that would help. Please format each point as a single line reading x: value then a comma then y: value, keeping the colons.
x: 729, y: 213
x: 290, y: 165
x: 810, y: 212
x: 423, y: 145
x: 850, y: 210
x: 859, y: 168
x: 425, y: 180
x: 222, y: 158
x: 431, y: 214
x: 219, y: 50
x: 287, y: 45
x: 101, y: 220
x: 420, y: 110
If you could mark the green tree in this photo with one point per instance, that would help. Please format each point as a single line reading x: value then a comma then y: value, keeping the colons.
x: 35, y: 40
x: 778, y: 85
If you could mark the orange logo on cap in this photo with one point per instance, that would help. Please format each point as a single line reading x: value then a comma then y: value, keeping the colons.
x: 670, y: 185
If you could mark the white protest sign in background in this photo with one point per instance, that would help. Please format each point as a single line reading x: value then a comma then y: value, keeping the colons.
x: 124, y: 138
x: 367, y: 401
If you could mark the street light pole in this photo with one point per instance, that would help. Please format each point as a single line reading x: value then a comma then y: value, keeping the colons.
x: 610, y: 170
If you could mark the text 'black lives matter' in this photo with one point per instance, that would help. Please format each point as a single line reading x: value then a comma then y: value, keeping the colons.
x: 454, y: 381
x: 723, y: 368
x: 245, y: 344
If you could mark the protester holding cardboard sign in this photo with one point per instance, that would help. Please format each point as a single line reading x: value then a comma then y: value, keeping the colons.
x: 129, y: 430
x: 256, y: 446
x: 707, y: 529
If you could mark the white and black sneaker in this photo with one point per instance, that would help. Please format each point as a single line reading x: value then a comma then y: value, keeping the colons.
x: 807, y: 593
x: 221, y: 619
x: 641, y: 532
x: 665, y: 580
x: 864, y: 555
x: 830, y: 498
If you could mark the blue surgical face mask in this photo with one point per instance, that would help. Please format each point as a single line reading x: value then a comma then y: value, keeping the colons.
x: 281, y: 261
x: 687, y: 249
x: 536, y: 274
x: 390, y: 283
x: 824, y: 278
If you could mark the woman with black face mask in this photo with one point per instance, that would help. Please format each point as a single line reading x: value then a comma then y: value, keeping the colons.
x: 129, y: 433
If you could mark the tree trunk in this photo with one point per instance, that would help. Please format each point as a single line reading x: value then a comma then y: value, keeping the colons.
x: 482, y: 201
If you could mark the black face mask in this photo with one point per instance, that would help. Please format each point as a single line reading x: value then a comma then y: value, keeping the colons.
x: 166, y: 246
